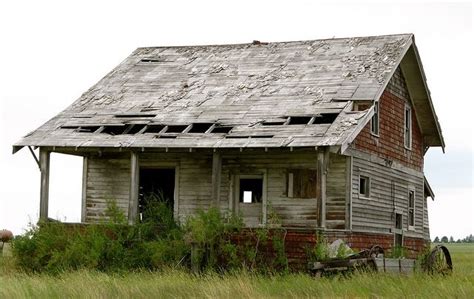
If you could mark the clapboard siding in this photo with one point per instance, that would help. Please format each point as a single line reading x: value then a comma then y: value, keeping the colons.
x: 107, y: 179
x: 389, y: 187
x: 336, y: 192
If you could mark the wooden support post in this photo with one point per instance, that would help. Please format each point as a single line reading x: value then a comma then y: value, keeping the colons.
x: 216, y: 178
x: 134, y: 187
x: 44, y: 193
x: 321, y: 190
x: 84, y: 189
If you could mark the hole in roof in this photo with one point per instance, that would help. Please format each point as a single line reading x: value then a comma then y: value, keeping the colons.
x: 248, y: 136
x: 176, y: 129
x: 154, y: 128
x: 87, y: 129
x: 166, y: 136
x: 149, y: 60
x: 134, y: 129
x: 325, y: 118
x: 113, y: 130
x: 221, y: 130
x: 236, y: 137
x: 69, y: 127
x: 299, y: 120
x: 131, y: 115
x: 200, y: 127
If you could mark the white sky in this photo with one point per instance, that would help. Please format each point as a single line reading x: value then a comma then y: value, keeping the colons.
x: 52, y: 51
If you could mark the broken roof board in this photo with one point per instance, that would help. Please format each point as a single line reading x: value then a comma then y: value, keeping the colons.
x: 233, y: 85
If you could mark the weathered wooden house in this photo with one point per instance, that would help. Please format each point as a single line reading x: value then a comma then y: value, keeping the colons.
x: 325, y: 135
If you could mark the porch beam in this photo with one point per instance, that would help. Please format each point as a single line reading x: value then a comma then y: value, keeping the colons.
x: 44, y: 157
x: 134, y: 187
x: 321, y: 186
x: 216, y: 177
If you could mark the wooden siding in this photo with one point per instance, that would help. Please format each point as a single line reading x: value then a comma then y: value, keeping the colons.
x: 390, y: 142
x: 389, y: 186
x: 336, y: 192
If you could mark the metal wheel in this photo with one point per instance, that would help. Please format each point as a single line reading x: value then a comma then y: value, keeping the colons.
x: 439, y: 261
x: 375, y: 251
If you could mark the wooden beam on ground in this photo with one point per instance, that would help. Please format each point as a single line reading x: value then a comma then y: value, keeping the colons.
x: 134, y: 187
x: 216, y: 177
x: 44, y: 157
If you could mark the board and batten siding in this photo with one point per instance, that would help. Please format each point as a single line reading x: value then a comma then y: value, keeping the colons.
x: 336, y: 192
x: 389, y: 187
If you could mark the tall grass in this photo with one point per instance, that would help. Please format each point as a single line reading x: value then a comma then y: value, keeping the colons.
x: 172, y: 283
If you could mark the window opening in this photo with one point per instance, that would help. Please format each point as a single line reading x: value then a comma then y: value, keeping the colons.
x: 200, y: 127
x: 411, y: 209
x: 325, y: 118
x: 374, y: 126
x: 398, y: 226
x: 251, y: 190
x: 408, y: 127
x: 221, y: 130
x: 299, y: 120
x: 302, y: 183
x: 364, y: 186
x: 176, y: 129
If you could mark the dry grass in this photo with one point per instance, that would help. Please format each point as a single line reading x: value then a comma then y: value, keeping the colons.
x: 180, y: 284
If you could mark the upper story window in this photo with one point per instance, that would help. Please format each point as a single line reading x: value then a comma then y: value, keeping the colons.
x: 375, y: 123
x: 408, y: 127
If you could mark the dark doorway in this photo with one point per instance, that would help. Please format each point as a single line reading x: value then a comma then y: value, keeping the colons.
x: 156, y: 184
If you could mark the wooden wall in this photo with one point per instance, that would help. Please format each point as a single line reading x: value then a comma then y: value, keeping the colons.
x: 109, y: 178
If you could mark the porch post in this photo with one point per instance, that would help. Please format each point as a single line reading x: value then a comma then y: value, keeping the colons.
x: 134, y: 188
x: 44, y: 193
x: 322, y: 167
x: 216, y: 178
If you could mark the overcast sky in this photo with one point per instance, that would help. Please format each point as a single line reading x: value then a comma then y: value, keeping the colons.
x: 53, y: 51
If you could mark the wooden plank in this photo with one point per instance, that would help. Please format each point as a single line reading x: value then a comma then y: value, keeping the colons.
x: 216, y: 178
x: 134, y: 187
x: 44, y: 157
x: 84, y: 189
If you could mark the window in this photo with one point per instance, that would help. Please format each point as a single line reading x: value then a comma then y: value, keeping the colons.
x: 374, y: 128
x: 411, y: 209
x: 302, y: 183
x: 407, y: 127
x: 251, y: 190
x: 364, y: 186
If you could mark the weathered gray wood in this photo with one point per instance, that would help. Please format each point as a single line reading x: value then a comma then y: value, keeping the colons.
x: 44, y: 157
x: 134, y: 187
x: 84, y: 189
x: 216, y: 177
x: 322, y: 189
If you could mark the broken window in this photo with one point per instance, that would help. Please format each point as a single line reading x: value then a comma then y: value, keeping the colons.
x: 302, y: 183
x: 200, y: 127
x: 374, y: 124
x: 176, y: 128
x: 251, y: 190
x: 221, y: 129
x: 325, y: 118
x: 408, y: 127
x: 364, y: 186
x: 411, y: 209
x: 299, y: 120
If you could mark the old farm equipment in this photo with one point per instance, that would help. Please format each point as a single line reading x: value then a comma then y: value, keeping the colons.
x: 438, y: 261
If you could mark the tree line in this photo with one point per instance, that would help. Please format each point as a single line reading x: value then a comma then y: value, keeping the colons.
x: 445, y: 239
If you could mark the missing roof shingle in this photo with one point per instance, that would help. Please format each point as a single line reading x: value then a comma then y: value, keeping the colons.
x: 154, y: 128
x: 176, y: 128
x: 134, y: 128
x: 113, y: 130
x: 273, y: 123
x: 248, y: 136
x: 325, y: 118
x: 166, y: 136
x: 135, y: 115
x: 200, y: 127
x: 299, y: 120
x: 224, y: 130
x: 149, y: 60
x: 87, y: 129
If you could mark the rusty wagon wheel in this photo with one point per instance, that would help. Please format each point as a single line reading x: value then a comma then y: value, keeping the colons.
x: 375, y: 251
x: 439, y: 261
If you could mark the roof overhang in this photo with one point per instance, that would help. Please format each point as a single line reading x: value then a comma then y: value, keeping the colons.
x: 427, y: 189
x: 415, y: 78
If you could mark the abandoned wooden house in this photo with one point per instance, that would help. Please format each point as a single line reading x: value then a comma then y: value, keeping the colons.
x: 324, y: 135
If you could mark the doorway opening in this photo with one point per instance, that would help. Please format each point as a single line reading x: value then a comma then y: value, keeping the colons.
x: 157, y: 185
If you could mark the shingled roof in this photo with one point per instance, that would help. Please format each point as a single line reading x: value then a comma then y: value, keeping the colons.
x: 285, y: 94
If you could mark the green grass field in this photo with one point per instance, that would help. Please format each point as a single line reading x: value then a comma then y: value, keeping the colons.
x: 179, y: 284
